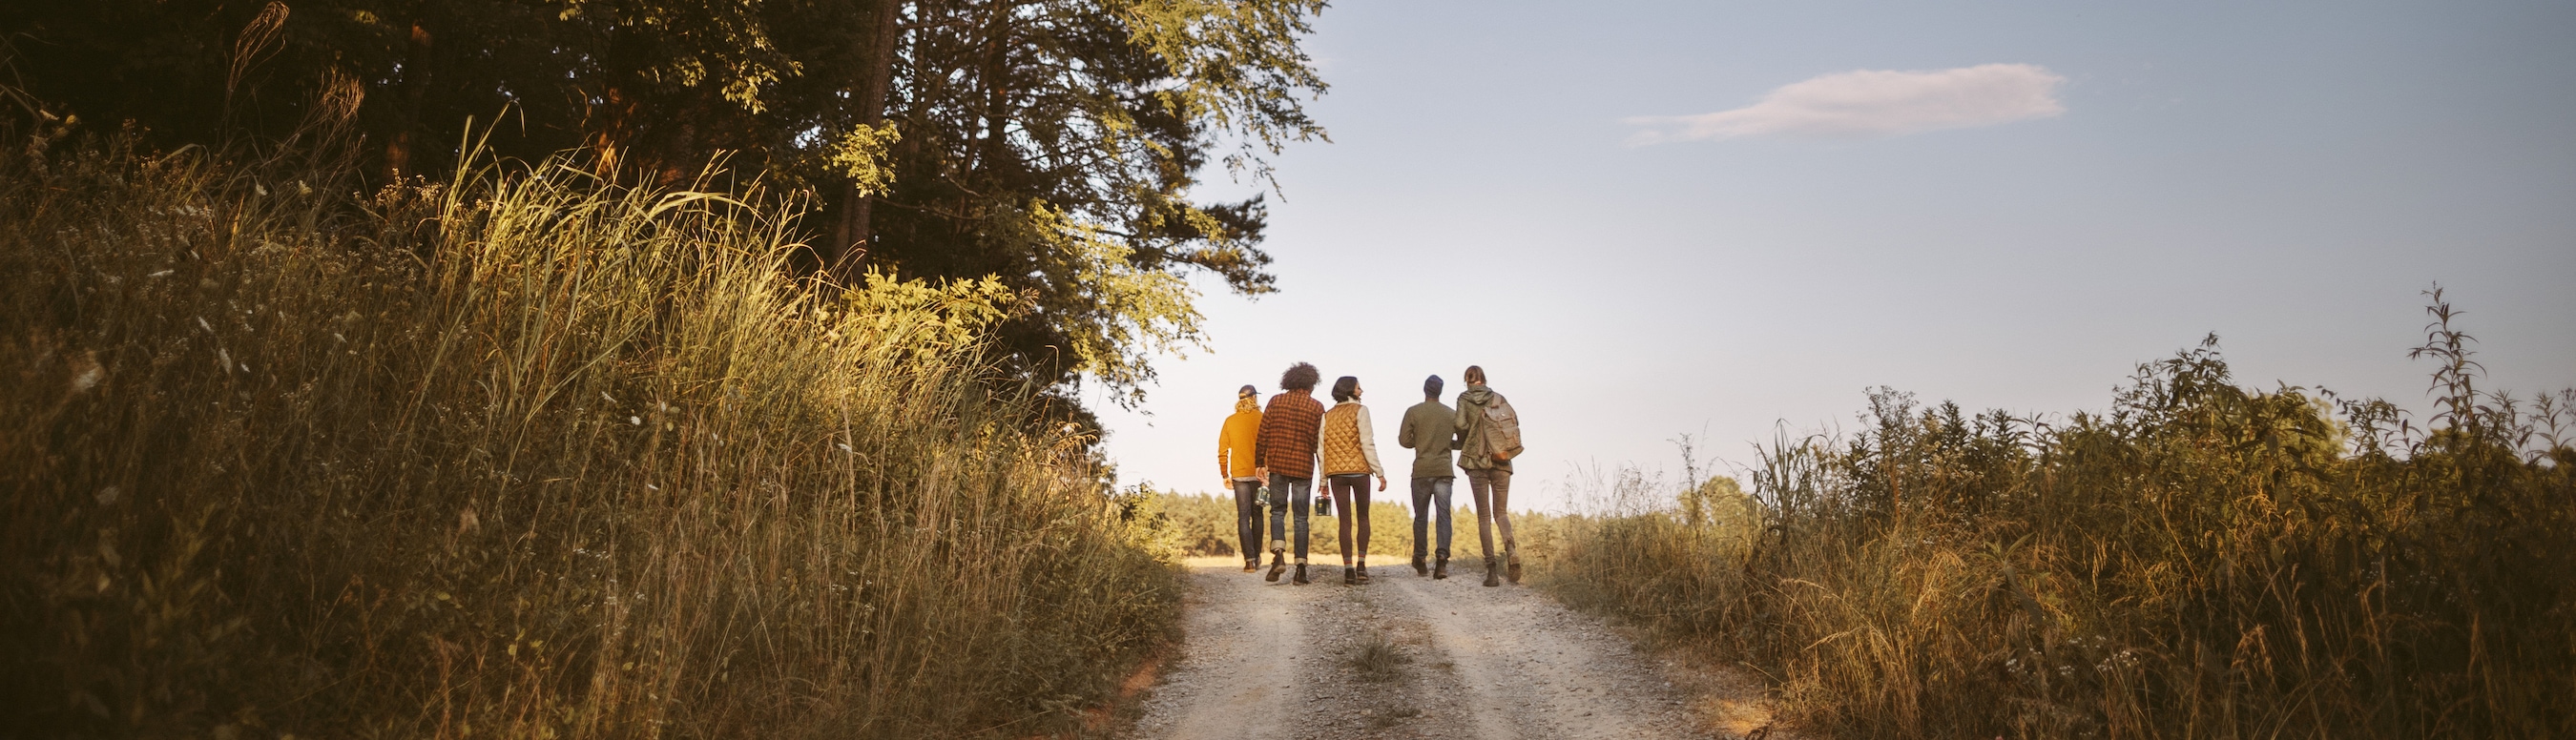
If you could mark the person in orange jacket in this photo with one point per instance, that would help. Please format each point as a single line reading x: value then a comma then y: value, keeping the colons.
x: 1234, y: 460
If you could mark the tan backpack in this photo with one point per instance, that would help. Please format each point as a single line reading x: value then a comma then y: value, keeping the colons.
x: 1502, y: 427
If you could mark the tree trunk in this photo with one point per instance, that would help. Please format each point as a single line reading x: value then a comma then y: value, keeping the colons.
x: 852, y: 238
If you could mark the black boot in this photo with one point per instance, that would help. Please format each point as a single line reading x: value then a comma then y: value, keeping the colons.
x: 1440, y: 569
x: 1419, y: 568
x: 1278, y: 562
x: 1301, y: 575
x: 1493, y: 573
x: 1364, y: 571
x: 1350, y: 577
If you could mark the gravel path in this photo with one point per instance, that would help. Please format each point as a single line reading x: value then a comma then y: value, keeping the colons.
x: 1403, y: 657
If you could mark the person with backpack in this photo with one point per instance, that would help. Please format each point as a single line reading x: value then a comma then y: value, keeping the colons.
x: 1489, y: 432
x: 1234, y: 443
x: 1285, y: 455
x: 1430, y: 430
x: 1350, y: 456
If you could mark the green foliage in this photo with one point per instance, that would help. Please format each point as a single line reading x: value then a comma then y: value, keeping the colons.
x: 1052, y: 146
x: 523, y: 454
x: 2202, y: 561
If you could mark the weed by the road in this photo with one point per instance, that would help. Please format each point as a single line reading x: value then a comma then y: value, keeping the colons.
x: 520, y: 454
x: 1378, y: 659
x: 2203, y: 561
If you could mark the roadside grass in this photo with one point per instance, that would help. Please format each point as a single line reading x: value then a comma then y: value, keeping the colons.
x: 523, y: 454
x: 2202, y: 561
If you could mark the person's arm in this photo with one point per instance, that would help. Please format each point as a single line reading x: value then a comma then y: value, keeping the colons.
x: 1261, y: 443
x: 1404, y: 431
x: 1368, y: 444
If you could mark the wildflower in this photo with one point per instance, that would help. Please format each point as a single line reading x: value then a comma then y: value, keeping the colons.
x: 163, y: 273
x: 635, y: 420
x: 201, y: 323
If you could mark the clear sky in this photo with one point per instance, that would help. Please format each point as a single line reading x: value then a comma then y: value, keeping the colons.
x: 1647, y: 219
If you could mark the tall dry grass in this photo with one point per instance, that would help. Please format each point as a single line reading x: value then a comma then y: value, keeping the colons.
x: 2202, y: 561
x: 525, y: 453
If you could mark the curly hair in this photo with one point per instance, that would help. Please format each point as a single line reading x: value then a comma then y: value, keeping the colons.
x: 1300, y: 377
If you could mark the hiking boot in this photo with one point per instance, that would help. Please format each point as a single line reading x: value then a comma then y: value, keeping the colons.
x: 1278, y: 563
x: 1512, y: 562
x: 1364, y: 573
x: 1419, y: 568
x: 1440, y: 569
x: 1251, y: 564
x: 1493, y: 575
x: 1350, y: 577
x: 1301, y: 575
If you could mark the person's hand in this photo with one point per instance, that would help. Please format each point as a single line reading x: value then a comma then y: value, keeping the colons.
x: 1500, y: 457
x: 1228, y: 485
x: 1261, y: 472
x: 1381, y: 483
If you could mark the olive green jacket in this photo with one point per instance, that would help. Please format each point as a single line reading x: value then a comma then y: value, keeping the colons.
x: 1431, y: 431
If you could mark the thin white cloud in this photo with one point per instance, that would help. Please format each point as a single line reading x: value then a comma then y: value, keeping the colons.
x: 1874, y: 103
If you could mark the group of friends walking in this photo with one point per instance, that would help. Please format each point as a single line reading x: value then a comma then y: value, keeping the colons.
x: 1271, y: 454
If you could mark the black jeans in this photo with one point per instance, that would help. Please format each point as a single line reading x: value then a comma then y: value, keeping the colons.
x: 1247, y: 517
x: 1431, y: 498
x: 1351, y: 495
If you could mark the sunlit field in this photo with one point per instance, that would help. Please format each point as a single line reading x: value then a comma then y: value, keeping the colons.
x: 2202, y: 560
x: 519, y: 453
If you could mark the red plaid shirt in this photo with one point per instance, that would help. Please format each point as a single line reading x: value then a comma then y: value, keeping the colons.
x: 1289, y: 428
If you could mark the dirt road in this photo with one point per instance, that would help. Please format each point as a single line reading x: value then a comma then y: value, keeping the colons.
x: 1408, y: 657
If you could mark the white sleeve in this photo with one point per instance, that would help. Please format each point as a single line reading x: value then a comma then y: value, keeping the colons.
x: 1368, y: 442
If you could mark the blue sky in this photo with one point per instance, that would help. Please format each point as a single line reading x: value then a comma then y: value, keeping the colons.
x: 2047, y: 195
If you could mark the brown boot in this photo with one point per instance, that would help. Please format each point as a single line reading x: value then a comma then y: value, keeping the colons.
x: 1419, y: 568
x: 1251, y: 564
x: 1364, y: 571
x: 1440, y: 569
x: 1301, y: 575
x: 1350, y: 577
x: 1278, y: 562
x: 1493, y: 575
x: 1512, y: 562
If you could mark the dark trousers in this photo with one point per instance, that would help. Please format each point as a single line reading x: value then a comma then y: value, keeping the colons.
x: 1351, y: 495
x: 1298, y: 493
x: 1247, y: 517
x: 1431, y: 498
x: 1492, y: 488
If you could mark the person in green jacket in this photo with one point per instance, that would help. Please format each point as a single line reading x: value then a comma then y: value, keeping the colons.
x: 1489, y: 436
x: 1430, y: 430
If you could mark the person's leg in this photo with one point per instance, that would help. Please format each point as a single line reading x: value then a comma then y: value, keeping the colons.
x: 1503, y: 522
x: 1278, y: 527
x: 1301, y: 500
x: 1360, y: 510
x: 1421, y: 520
x: 1478, y: 490
x: 1342, y: 487
x: 1247, y: 522
x: 1439, y: 490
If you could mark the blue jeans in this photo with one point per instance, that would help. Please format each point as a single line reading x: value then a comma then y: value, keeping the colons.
x: 1299, y: 493
x: 1431, y: 495
x: 1247, y: 518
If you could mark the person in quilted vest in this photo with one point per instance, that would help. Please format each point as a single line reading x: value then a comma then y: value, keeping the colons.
x: 1489, y: 437
x: 1285, y: 456
x: 1234, y: 444
x: 1350, y: 457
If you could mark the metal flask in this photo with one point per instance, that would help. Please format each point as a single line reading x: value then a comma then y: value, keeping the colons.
x: 1324, y: 505
x: 1261, y: 497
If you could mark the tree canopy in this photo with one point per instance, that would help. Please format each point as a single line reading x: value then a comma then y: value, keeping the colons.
x: 1050, y: 144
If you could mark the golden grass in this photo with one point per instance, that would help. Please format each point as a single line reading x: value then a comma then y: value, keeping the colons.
x: 2202, y: 562
x: 520, y: 454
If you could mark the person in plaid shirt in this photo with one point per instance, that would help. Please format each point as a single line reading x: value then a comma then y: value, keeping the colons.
x: 1286, y: 455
